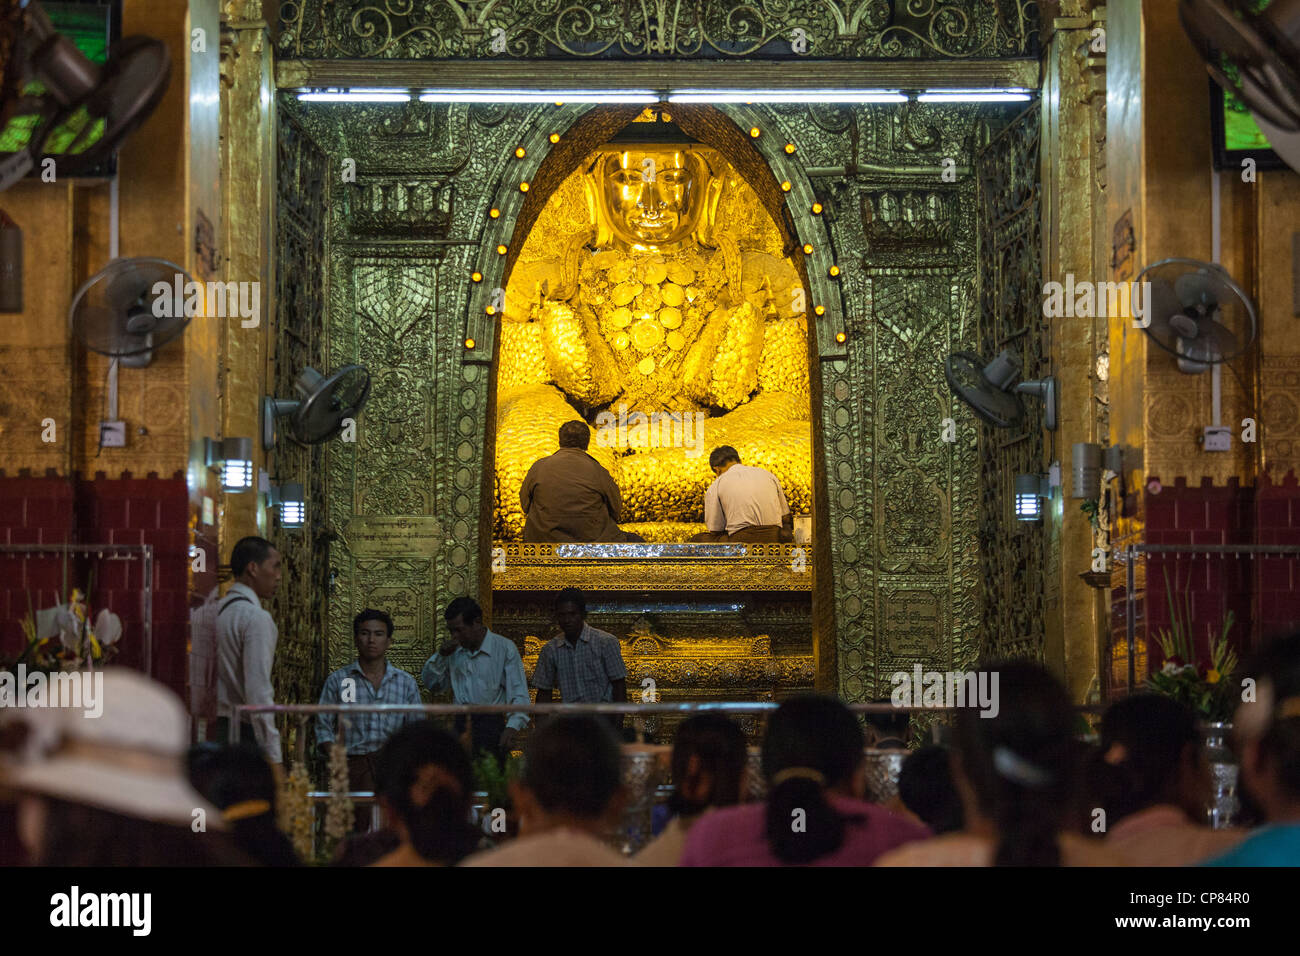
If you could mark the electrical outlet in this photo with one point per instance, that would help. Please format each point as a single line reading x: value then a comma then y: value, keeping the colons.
x: 112, y: 434
x: 1218, y: 438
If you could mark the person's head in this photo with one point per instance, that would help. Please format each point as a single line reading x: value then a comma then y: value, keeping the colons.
x: 570, y: 612
x: 1015, y: 770
x: 1149, y: 753
x: 256, y: 563
x: 925, y: 787
x: 722, y: 458
x: 425, y: 784
x: 708, y: 764
x: 813, y: 744
x: 372, y: 632
x: 240, y: 784
x: 89, y: 787
x: 575, y: 434
x: 571, y: 777
x: 1268, y: 730
x: 465, y: 622
x: 888, y: 727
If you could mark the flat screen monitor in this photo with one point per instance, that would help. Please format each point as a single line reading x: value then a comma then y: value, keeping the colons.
x: 1236, y: 135
x: 93, y: 27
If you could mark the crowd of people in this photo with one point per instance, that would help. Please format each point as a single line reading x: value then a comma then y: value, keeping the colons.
x: 1021, y: 788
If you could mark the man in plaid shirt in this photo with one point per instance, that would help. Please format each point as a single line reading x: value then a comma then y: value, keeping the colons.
x: 369, y: 679
x: 585, y: 662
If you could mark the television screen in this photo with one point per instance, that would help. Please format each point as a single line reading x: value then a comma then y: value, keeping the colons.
x: 93, y: 27
x: 1236, y: 136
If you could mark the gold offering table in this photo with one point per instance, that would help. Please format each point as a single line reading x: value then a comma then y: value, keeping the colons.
x: 695, y: 621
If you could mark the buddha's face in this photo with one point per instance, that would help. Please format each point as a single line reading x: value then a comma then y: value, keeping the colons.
x: 652, y: 197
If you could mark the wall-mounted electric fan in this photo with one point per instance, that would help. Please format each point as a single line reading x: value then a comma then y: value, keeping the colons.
x: 323, y: 402
x: 89, y: 109
x: 991, y: 390
x: 1197, y: 312
x: 1263, y: 50
x: 116, y: 313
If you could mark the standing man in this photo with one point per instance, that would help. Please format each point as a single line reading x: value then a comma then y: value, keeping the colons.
x: 482, y: 668
x: 569, y: 496
x: 584, y: 662
x: 370, y: 679
x: 744, y: 503
x: 246, y: 638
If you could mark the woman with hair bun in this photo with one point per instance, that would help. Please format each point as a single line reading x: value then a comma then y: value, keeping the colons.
x: 1015, y: 775
x: 815, y: 814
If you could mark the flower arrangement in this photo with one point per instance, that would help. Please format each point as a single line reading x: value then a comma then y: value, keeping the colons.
x: 338, y: 812
x: 297, y: 815
x: 1205, y: 686
x: 77, y: 642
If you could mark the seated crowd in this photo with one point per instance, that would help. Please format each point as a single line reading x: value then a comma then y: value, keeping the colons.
x: 1021, y: 788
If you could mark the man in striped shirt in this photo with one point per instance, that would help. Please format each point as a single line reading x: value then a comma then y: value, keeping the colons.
x: 370, y: 679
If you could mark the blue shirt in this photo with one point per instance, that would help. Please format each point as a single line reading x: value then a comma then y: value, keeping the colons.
x: 1275, y: 845
x: 585, y: 670
x: 366, y: 733
x: 493, y: 674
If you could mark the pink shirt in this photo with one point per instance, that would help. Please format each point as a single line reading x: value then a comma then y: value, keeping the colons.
x: 736, y: 836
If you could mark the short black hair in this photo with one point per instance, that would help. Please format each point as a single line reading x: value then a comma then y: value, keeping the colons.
x: 250, y: 550
x: 926, y: 788
x: 720, y: 745
x: 572, y: 765
x: 370, y: 614
x: 575, y: 434
x: 723, y: 454
x: 572, y: 596
x: 465, y: 608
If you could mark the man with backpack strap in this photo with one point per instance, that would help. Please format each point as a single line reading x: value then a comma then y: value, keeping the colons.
x: 246, y: 637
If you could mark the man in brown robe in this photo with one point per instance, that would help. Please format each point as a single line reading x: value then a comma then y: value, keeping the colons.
x: 569, y: 496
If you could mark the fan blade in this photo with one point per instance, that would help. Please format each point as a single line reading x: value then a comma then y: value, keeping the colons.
x: 1218, y: 340
x: 1163, y: 306
x: 102, y: 332
x: 1203, y: 288
x: 128, y: 285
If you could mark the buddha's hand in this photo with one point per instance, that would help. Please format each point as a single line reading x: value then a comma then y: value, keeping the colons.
x: 722, y: 366
x: 577, y: 359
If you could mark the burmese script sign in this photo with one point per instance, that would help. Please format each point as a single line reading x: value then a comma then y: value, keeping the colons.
x: 394, y: 535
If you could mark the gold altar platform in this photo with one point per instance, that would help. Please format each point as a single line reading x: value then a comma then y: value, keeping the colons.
x: 651, y: 567
x: 694, y: 621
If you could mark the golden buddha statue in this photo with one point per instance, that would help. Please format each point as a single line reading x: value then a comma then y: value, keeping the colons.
x: 657, y: 326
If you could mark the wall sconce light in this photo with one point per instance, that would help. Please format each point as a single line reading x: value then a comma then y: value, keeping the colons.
x: 1088, y: 459
x: 1030, y: 492
x: 291, y: 499
x: 234, y: 458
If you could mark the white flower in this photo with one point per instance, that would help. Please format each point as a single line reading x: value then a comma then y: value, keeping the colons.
x: 108, y: 627
x: 1170, y: 668
x: 69, y: 629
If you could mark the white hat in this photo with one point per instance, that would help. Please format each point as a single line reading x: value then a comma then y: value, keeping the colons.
x: 129, y: 760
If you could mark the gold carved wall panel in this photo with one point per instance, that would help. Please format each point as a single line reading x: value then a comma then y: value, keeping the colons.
x: 897, y: 531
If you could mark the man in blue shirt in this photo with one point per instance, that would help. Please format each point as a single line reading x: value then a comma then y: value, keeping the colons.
x: 482, y: 668
x: 585, y: 662
x: 370, y: 679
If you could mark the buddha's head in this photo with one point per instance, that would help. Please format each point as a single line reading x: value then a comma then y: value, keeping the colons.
x: 652, y: 196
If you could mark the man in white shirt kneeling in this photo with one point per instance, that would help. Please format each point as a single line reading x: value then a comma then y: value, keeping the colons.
x: 744, y: 503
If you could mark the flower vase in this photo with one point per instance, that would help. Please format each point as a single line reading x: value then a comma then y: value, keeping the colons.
x: 1223, y: 806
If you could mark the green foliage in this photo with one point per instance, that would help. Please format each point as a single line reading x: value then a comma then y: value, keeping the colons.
x: 1208, y: 687
x: 494, y: 779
